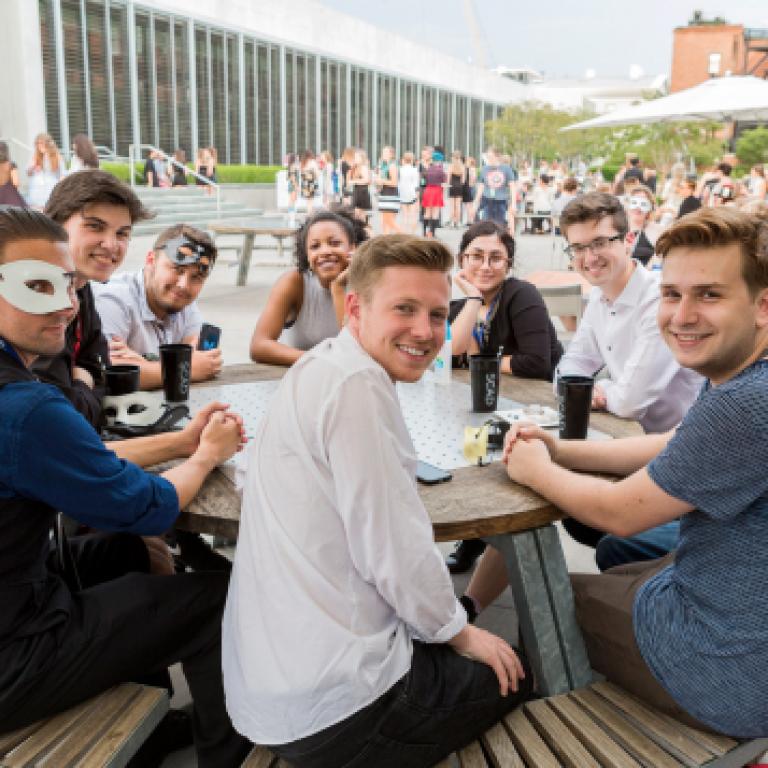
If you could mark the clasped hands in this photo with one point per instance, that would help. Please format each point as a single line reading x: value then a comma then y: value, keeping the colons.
x: 528, y: 449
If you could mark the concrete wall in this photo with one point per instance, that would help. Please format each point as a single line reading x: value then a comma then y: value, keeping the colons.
x: 309, y: 25
x: 262, y: 196
x: 22, y: 104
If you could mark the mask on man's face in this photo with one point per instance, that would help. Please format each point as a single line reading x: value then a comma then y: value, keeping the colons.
x: 36, y: 287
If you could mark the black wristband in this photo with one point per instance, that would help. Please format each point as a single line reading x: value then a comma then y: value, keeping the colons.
x: 479, y: 298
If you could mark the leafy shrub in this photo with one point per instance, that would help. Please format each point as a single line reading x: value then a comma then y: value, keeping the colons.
x: 226, y: 174
x: 752, y: 146
x: 609, y: 171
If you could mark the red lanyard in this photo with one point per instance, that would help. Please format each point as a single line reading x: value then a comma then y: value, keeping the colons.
x: 78, y: 338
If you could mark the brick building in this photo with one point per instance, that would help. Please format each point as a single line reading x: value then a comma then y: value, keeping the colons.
x: 711, y: 50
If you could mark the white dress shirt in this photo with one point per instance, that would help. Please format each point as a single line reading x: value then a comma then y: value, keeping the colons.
x: 644, y: 382
x: 336, y: 569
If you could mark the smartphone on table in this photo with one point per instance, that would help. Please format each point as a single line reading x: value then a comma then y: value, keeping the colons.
x: 209, y: 337
x: 429, y: 474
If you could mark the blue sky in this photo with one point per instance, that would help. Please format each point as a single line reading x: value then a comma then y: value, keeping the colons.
x: 562, y: 38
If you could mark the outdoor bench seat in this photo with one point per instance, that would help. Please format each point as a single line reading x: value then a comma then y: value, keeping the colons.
x: 106, y: 730
x: 596, y: 727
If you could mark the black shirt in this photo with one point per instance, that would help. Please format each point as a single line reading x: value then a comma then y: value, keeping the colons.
x: 85, y: 347
x: 689, y: 205
x: 522, y: 326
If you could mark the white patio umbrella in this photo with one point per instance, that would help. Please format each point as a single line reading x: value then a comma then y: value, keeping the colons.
x: 721, y: 99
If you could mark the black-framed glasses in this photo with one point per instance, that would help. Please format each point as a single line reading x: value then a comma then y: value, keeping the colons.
x: 495, y: 259
x: 577, y: 251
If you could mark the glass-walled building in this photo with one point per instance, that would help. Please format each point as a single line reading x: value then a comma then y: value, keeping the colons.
x: 127, y: 72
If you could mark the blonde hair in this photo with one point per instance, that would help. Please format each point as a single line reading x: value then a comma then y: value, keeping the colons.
x: 373, y: 257
x: 51, y: 151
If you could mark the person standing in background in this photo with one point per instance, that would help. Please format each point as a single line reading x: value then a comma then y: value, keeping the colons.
x: 457, y: 179
x: 432, y: 196
x: 408, y: 187
x: 360, y: 176
x: 84, y: 155
x: 468, y: 193
x: 345, y: 168
x: 45, y: 171
x: 389, y: 195
x: 9, y: 180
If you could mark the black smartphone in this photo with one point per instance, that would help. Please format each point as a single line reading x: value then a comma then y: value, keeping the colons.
x: 429, y: 474
x: 209, y: 337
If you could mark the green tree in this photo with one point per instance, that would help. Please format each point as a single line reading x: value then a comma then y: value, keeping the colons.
x: 532, y: 130
x: 752, y: 146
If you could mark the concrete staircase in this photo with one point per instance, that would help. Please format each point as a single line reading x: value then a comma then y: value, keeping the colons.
x: 186, y: 206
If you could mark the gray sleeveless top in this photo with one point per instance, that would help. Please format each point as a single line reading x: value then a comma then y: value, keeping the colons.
x: 316, y: 320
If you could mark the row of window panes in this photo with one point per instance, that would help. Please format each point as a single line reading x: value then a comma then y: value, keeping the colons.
x: 328, y: 103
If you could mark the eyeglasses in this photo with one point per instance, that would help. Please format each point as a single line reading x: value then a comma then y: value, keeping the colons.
x: 640, y: 204
x: 496, y: 259
x: 577, y: 251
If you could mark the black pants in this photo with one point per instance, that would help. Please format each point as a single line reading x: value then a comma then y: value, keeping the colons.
x: 123, y: 628
x: 441, y: 705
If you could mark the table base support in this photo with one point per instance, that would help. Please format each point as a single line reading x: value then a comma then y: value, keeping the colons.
x: 544, y: 601
x: 245, y: 260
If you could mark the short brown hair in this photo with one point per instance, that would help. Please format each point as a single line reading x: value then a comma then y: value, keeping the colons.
x: 717, y: 227
x: 27, y: 224
x: 373, y: 257
x: 594, y: 206
x: 570, y: 184
x: 74, y: 192
x: 191, y: 233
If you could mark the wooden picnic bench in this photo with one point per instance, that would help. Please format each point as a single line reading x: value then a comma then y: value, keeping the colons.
x: 277, y: 228
x: 105, y: 731
x: 600, y: 726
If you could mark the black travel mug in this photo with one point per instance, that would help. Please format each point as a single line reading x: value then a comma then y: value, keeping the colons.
x: 176, y: 367
x: 574, y: 400
x: 484, y: 372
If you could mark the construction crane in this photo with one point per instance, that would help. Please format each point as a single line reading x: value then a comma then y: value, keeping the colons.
x: 481, y: 49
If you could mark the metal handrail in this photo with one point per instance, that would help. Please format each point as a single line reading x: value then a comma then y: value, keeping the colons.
x: 134, y: 154
x: 12, y: 140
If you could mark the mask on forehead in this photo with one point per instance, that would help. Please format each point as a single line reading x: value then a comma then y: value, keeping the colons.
x: 36, y: 287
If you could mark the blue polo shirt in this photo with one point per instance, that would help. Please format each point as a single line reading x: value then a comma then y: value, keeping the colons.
x: 49, y: 453
x: 702, y: 623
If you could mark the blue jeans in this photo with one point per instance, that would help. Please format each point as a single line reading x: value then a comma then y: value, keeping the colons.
x: 612, y: 550
x: 495, y: 210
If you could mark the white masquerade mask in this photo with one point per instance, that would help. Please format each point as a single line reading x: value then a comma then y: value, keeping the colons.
x: 36, y: 287
x: 640, y: 204
x: 136, y: 409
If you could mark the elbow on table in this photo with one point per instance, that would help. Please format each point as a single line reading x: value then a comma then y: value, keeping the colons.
x: 626, y: 407
x: 259, y: 351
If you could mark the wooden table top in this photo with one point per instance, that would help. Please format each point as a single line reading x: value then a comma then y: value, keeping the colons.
x: 479, y: 501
